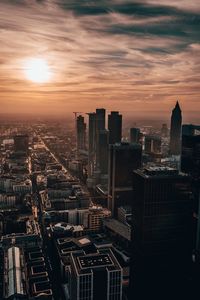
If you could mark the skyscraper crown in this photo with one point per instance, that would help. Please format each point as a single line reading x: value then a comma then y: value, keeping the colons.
x: 177, y: 106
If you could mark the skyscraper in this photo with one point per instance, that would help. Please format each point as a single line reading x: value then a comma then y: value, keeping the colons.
x: 135, y: 135
x: 190, y: 156
x: 91, y: 142
x: 100, y: 125
x: 175, y: 130
x: 100, y: 118
x: 115, y: 127
x: 81, y: 133
x: 161, y: 231
x: 103, y: 154
x: 123, y: 159
x: 190, y: 164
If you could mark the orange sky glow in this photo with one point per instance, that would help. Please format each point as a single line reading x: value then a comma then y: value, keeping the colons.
x: 108, y: 55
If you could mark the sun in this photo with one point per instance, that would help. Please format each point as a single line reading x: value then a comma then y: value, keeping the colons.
x: 37, y: 70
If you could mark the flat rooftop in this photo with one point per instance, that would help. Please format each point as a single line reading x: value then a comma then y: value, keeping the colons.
x: 88, y: 263
x: 159, y: 171
x: 98, y: 260
x: 118, y: 227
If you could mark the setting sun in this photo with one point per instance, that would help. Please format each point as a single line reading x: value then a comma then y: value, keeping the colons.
x: 37, y: 70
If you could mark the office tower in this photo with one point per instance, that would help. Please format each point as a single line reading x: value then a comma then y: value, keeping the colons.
x: 189, y: 129
x: 175, y: 130
x: 135, y: 135
x: 95, y: 276
x: 100, y: 125
x: 103, y: 154
x: 164, y: 130
x: 81, y: 133
x: 161, y: 231
x: 152, y: 144
x: 123, y: 159
x: 100, y: 119
x: 91, y: 143
x: 190, y: 164
x: 115, y: 127
x: 21, y: 143
x: 190, y: 156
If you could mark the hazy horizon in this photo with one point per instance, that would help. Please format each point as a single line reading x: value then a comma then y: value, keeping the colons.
x: 60, y: 56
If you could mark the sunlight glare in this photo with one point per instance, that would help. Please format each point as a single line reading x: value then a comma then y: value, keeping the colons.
x: 37, y: 70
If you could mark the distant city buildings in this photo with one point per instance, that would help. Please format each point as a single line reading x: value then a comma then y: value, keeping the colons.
x: 118, y: 217
x: 152, y: 145
x: 164, y: 130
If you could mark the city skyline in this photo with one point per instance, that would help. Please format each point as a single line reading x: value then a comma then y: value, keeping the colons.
x: 135, y: 57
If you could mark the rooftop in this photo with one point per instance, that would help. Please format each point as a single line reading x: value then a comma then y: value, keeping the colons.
x: 118, y: 227
x: 95, y: 261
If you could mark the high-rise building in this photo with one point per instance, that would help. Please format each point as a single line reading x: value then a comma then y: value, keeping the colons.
x: 190, y: 156
x: 103, y: 153
x: 100, y: 119
x: 135, y: 135
x: 100, y: 125
x: 91, y: 143
x: 175, y: 130
x: 81, y: 133
x: 115, y: 127
x: 190, y: 164
x: 95, y: 276
x: 21, y: 143
x: 161, y: 231
x: 123, y: 159
x: 189, y: 129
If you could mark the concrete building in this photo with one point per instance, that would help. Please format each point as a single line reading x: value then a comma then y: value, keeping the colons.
x: 95, y: 276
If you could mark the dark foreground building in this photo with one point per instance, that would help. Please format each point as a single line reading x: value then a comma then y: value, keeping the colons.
x: 161, y: 233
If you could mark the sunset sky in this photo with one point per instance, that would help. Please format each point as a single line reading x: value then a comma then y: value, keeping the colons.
x: 132, y: 56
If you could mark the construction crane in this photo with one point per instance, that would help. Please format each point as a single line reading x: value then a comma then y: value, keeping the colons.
x: 77, y: 112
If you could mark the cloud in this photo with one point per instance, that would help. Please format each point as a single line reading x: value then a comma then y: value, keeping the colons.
x: 120, y: 51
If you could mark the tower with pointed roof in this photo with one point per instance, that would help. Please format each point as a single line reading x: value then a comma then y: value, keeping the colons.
x: 175, y: 130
